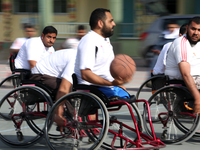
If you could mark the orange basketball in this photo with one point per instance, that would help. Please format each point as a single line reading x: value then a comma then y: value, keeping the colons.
x: 122, y: 67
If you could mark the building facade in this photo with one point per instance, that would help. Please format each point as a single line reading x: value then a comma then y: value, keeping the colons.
x: 131, y: 16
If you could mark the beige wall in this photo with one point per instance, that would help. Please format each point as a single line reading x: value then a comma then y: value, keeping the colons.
x: 17, y: 30
x: 85, y: 7
x: 16, y: 27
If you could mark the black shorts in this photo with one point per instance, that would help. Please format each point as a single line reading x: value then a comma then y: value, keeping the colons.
x: 52, y: 82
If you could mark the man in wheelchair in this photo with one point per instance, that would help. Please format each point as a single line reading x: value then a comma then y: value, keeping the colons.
x: 183, y: 60
x: 95, y: 54
x: 35, y: 49
x: 159, y: 68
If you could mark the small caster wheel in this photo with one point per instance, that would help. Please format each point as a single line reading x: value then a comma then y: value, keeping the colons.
x: 164, y: 135
x: 20, y: 136
x: 90, y: 141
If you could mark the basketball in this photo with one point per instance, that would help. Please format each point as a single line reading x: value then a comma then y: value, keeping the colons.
x: 122, y: 67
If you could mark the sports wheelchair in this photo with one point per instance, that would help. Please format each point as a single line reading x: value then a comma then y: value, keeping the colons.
x: 89, y: 125
x: 171, y: 110
x: 24, y: 108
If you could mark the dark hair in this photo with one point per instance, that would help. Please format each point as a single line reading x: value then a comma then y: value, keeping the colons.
x: 97, y: 14
x: 171, y: 22
x: 81, y: 27
x: 27, y: 25
x: 194, y: 19
x: 183, y: 29
x: 49, y: 29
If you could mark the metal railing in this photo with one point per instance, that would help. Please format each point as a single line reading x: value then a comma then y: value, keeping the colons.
x: 68, y: 29
x: 126, y: 30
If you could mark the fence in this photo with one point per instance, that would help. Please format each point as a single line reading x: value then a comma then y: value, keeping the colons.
x: 126, y: 30
x: 68, y: 29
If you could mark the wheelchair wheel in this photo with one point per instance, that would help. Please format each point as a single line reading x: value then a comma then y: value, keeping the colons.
x: 150, y: 86
x: 144, y: 90
x: 79, y: 128
x: 117, y: 125
x: 173, y: 122
x: 26, y: 122
x: 8, y: 84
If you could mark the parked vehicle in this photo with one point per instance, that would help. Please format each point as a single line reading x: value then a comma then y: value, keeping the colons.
x: 151, y: 37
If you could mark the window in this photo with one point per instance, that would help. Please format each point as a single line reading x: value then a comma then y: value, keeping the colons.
x: 25, y: 6
x: 1, y: 6
x: 31, y: 6
x: 171, y: 6
x: 60, y: 6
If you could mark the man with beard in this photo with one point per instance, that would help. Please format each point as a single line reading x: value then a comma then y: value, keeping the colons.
x: 36, y: 48
x: 95, y: 54
x: 183, y: 60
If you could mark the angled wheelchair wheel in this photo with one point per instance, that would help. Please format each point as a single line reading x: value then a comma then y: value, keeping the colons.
x: 25, y: 125
x: 6, y: 85
x: 173, y: 122
x: 79, y: 109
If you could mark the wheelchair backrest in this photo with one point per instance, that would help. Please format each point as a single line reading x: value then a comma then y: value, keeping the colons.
x: 12, y: 61
x: 24, y: 73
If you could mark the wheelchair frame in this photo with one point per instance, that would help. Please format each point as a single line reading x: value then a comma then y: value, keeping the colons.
x: 141, y: 139
x: 12, y: 100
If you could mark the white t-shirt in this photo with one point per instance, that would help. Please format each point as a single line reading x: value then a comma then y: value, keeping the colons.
x: 33, y: 49
x: 70, y: 43
x: 181, y: 50
x: 159, y: 67
x: 60, y: 64
x: 17, y: 44
x: 97, y: 60
x: 173, y: 35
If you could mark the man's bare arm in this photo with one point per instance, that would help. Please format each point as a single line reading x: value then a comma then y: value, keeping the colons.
x: 14, y: 50
x: 189, y: 81
x: 89, y: 76
x: 65, y: 88
x: 32, y: 63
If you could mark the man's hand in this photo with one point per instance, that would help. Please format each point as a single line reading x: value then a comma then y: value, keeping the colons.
x: 118, y: 82
x: 196, y: 108
x: 157, y: 52
x: 58, y: 118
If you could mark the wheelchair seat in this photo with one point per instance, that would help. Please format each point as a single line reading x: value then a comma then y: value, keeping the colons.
x: 159, y: 81
x: 94, y: 89
x: 88, y: 118
x: 49, y: 90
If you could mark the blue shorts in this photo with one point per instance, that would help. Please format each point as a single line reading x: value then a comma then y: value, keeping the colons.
x: 114, y: 91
